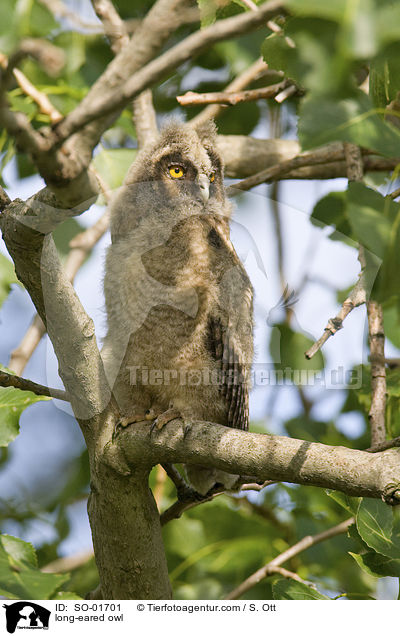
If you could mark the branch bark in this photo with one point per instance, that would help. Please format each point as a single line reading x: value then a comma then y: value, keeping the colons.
x: 376, y: 336
x: 8, y: 379
x: 98, y: 106
x: 267, y: 457
x: 194, y: 99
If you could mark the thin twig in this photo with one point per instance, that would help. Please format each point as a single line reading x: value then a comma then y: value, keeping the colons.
x: 330, y: 152
x: 358, y: 295
x: 238, y: 84
x: 257, y: 487
x: 144, y: 117
x: 395, y: 194
x: 9, y: 380
x: 382, y: 446
x: 376, y: 337
x: 376, y: 334
x: 226, y: 97
x: 20, y: 356
x: 287, y: 92
x: 356, y: 298
x: 302, y: 545
x: 354, y: 163
x: 41, y: 99
x: 191, y: 500
x: 287, y: 574
x: 114, y: 27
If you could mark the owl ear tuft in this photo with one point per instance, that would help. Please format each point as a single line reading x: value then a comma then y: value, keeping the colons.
x: 207, y: 131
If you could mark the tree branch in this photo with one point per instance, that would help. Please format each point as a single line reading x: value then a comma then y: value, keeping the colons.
x: 331, y: 152
x: 145, y: 120
x: 4, y: 199
x: 193, y: 45
x: 194, y: 99
x: 80, y: 246
x: 239, y: 83
x: 304, y: 544
x: 114, y: 27
x: 382, y: 446
x: 266, y: 457
x: 70, y: 329
x: 8, y: 379
x: 376, y: 337
x: 356, y: 298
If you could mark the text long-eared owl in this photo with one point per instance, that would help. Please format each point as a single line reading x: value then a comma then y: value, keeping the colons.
x: 178, y: 300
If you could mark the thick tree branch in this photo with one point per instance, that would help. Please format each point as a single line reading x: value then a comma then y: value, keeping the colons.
x: 304, y: 544
x: 193, y: 45
x: 267, y: 457
x: 7, y: 379
x: 70, y: 329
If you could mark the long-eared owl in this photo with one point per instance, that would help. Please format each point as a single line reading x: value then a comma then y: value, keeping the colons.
x: 178, y: 299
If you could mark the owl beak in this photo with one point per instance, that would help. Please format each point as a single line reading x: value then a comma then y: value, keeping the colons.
x: 204, y: 185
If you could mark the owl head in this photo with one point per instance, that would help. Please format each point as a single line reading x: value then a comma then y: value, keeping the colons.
x: 181, y: 174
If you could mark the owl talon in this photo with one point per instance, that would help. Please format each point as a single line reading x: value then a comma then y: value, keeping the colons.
x: 164, y: 418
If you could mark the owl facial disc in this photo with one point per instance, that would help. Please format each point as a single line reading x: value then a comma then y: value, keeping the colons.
x: 204, y: 185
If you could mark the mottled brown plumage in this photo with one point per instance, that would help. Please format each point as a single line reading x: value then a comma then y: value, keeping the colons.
x: 179, y: 302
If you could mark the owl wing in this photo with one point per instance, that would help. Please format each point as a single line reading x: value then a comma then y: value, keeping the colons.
x: 234, y: 388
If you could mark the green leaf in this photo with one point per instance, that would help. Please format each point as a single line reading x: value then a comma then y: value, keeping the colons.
x: 333, y: 10
x: 64, y: 233
x: 351, y: 504
x: 19, y: 550
x: 19, y: 575
x: 353, y: 119
x: 304, y: 53
x: 391, y: 320
x: 294, y: 590
x: 287, y: 349
x: 374, y: 524
x: 113, y: 165
x: 208, y: 12
x: 332, y: 210
x: 377, y: 564
x: 7, y: 277
x: 370, y: 216
x: 12, y: 403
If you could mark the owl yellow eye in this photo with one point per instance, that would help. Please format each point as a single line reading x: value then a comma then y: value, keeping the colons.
x: 212, y: 177
x: 176, y: 172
